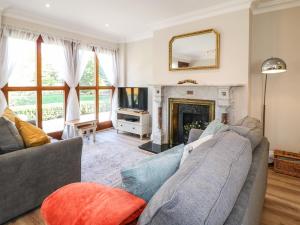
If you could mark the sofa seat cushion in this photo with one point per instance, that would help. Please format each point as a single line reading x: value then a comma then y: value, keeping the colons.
x: 90, y: 203
x: 10, y: 139
x: 206, y: 186
x: 145, y: 177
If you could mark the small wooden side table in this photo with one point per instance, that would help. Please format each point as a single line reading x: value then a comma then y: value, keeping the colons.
x: 287, y: 162
x: 80, y: 126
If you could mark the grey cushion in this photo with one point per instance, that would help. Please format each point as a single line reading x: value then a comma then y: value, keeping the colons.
x: 251, y: 128
x: 10, y: 139
x: 205, y: 188
x: 194, y: 135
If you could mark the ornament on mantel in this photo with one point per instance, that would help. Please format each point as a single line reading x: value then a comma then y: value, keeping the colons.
x: 187, y: 81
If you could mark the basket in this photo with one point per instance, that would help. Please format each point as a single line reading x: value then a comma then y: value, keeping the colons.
x: 287, y: 163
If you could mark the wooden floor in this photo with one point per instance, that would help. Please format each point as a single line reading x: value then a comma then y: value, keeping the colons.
x: 282, y: 202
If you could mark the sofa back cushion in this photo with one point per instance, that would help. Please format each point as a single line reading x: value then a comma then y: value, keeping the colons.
x: 205, y: 188
x: 252, y: 129
x: 10, y: 139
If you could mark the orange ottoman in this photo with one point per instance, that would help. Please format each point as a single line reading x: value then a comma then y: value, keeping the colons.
x: 91, y: 204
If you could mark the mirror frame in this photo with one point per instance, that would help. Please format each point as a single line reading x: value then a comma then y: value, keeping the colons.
x: 217, y: 58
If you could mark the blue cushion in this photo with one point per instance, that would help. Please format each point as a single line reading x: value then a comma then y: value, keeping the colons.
x: 212, y: 128
x: 146, y: 177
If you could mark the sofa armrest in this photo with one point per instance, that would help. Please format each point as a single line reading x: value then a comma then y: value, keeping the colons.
x: 28, y: 176
x: 194, y: 135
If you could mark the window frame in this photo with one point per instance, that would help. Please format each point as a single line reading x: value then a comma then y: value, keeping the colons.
x: 96, y: 88
x: 39, y: 88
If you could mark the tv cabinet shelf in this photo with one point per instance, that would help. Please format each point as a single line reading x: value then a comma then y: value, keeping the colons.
x: 131, y: 121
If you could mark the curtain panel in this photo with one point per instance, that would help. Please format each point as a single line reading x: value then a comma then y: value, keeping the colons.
x: 8, y: 57
x: 72, y: 64
x: 109, y: 61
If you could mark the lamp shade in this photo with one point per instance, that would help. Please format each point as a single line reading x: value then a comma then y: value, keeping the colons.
x: 273, y: 65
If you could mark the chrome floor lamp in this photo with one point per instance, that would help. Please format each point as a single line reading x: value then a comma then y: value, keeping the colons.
x: 271, y: 66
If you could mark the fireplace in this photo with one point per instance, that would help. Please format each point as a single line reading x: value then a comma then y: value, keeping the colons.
x: 185, y: 114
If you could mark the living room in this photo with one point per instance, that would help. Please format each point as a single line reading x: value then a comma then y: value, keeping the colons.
x: 138, y: 112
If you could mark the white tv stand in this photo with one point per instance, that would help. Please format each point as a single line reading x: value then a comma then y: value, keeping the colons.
x: 133, y: 121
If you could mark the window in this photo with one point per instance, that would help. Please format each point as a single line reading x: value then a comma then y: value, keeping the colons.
x: 105, y: 98
x: 35, y: 90
x: 95, y: 91
x: 23, y: 56
x: 53, y: 88
x: 53, y: 110
x: 24, y: 104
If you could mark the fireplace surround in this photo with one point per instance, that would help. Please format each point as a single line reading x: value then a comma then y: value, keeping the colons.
x: 185, y: 114
x: 227, y: 98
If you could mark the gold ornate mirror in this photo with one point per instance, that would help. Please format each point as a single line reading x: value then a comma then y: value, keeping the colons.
x: 195, y: 51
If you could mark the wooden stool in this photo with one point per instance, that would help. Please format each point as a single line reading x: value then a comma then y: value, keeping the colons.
x: 86, y: 129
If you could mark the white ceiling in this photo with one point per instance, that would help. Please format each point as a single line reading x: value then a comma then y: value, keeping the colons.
x: 127, y: 19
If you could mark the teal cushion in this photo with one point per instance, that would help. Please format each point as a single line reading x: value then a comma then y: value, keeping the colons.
x: 145, y: 177
x: 212, y: 128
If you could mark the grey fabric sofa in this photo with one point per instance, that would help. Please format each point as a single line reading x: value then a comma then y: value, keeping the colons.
x: 28, y: 176
x: 249, y: 205
x: 207, y: 190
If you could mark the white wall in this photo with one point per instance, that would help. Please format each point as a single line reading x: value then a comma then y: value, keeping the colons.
x: 234, y: 36
x: 234, y: 64
x: 278, y: 34
x: 139, y: 63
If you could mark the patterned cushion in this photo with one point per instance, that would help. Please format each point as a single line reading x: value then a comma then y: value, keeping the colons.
x: 146, y: 177
x: 205, y: 188
x: 10, y: 139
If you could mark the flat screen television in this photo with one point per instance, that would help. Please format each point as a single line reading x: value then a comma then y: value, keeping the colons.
x: 133, y: 98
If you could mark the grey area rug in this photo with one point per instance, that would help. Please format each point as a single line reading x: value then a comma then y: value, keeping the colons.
x: 102, y: 161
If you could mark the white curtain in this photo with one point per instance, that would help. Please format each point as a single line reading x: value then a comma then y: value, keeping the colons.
x: 76, y: 60
x: 109, y: 62
x: 9, y: 56
x: 73, y: 61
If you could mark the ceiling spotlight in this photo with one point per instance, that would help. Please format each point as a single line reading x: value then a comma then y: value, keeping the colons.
x: 47, y: 5
x: 107, y: 25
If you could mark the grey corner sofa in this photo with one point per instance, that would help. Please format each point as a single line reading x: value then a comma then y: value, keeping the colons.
x: 29, y: 175
x: 249, y: 204
x: 201, y: 192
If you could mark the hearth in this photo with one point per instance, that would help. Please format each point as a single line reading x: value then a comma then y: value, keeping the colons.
x: 185, y: 114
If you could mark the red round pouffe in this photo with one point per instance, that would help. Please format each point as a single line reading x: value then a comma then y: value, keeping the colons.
x: 91, y: 204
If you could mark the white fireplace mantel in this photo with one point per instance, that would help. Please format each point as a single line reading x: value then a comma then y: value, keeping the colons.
x: 199, y: 85
x: 221, y: 94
